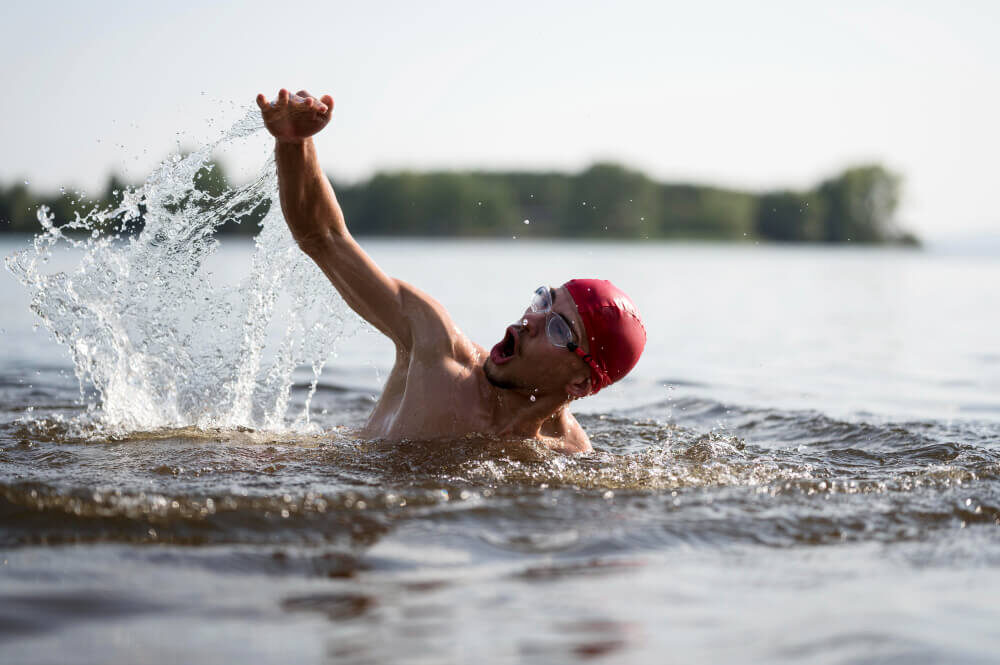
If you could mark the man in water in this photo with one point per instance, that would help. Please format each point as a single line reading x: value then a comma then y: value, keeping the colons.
x: 571, y: 341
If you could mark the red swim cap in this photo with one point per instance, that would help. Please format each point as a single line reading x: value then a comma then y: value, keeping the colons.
x: 614, y: 328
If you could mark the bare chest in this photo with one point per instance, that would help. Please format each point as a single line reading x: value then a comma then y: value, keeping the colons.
x: 430, y: 399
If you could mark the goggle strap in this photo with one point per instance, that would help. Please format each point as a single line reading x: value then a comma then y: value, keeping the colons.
x: 598, y: 374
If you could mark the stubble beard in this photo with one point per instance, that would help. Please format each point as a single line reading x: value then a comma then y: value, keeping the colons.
x: 498, y: 382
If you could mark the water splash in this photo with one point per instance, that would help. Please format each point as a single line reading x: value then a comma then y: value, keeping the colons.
x: 157, y: 340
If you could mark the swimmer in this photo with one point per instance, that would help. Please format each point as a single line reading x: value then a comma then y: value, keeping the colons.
x: 571, y: 341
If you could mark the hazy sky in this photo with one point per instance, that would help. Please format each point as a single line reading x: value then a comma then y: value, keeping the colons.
x: 744, y: 94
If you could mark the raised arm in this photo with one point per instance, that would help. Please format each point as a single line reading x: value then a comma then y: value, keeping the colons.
x: 317, y: 223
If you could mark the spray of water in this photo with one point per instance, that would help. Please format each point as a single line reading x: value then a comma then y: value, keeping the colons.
x: 157, y: 340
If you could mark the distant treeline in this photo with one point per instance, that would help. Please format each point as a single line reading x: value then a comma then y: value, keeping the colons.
x: 603, y: 201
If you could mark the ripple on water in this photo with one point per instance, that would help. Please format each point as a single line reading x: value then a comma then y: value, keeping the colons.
x: 648, y: 484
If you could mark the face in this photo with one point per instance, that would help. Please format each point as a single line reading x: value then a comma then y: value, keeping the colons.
x: 526, y: 359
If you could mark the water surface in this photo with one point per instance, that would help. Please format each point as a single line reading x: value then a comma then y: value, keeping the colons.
x: 805, y: 465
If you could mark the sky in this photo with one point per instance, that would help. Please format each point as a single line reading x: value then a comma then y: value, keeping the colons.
x: 749, y: 95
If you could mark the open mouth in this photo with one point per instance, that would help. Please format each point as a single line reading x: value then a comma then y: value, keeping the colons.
x: 505, y: 348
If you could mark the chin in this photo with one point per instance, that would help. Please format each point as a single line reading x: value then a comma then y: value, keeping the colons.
x: 494, y: 376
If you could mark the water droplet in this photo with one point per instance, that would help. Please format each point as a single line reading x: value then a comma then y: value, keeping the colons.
x: 532, y: 398
x: 514, y: 237
x: 527, y: 221
x: 166, y: 284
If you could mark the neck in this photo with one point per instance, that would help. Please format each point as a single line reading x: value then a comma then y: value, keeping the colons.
x: 514, y: 412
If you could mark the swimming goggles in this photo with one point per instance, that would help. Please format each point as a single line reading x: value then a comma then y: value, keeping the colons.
x: 560, y: 333
x: 556, y: 327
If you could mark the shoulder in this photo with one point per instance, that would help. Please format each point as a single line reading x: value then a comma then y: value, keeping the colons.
x: 566, y: 435
x: 433, y: 333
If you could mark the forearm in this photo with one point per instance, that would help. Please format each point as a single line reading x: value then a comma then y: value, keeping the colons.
x: 307, y: 199
x: 315, y: 219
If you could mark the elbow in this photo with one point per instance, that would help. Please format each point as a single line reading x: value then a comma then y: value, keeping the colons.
x: 315, y: 243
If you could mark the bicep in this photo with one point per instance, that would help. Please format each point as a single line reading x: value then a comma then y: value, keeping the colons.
x: 365, y: 287
x: 409, y: 317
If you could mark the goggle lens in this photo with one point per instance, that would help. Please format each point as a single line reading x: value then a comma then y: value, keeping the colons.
x: 542, y: 300
x: 558, y: 331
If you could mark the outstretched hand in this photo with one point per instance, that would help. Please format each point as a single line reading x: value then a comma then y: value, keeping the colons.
x: 295, y: 117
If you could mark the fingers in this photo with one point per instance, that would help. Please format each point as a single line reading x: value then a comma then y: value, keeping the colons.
x: 301, y: 99
x: 310, y: 102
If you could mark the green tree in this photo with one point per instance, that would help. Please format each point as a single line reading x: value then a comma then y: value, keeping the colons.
x: 610, y: 200
x: 788, y: 216
x: 859, y: 205
x: 605, y: 200
x: 16, y: 211
x: 436, y: 203
x: 542, y: 198
x: 694, y: 211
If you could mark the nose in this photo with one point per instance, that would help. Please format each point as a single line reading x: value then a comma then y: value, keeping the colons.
x: 533, y: 322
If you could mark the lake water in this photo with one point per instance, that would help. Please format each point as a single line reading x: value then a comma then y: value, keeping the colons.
x: 803, y: 467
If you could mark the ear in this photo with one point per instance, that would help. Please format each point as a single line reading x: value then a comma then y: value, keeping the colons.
x: 579, y: 387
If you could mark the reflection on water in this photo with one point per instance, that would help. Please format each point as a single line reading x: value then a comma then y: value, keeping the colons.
x: 665, y: 537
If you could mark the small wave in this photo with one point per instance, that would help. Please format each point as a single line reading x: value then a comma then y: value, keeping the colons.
x: 37, y: 514
x: 776, y: 478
